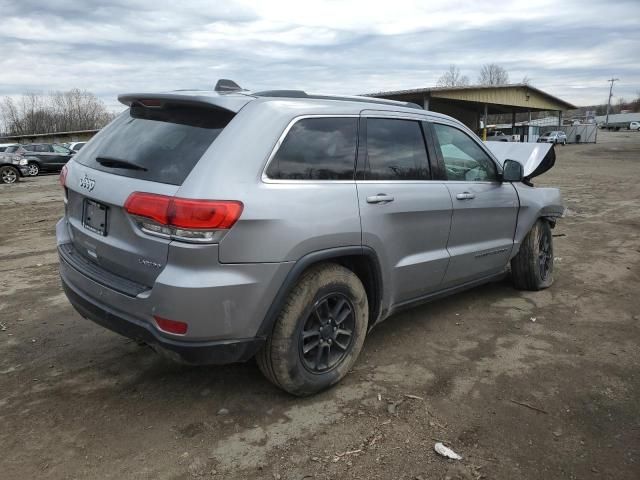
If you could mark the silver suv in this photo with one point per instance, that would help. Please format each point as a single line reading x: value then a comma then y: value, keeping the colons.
x: 554, y: 137
x: 220, y: 225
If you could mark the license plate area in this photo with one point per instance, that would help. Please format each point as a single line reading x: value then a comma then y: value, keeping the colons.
x: 94, y: 217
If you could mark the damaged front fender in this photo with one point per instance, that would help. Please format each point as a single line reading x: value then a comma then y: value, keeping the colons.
x: 535, y: 203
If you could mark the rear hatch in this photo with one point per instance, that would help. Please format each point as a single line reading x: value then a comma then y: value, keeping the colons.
x: 151, y: 147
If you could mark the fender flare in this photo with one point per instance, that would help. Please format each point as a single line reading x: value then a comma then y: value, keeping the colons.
x: 317, y: 257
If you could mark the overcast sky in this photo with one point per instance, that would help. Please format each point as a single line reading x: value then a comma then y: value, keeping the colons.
x: 568, y: 48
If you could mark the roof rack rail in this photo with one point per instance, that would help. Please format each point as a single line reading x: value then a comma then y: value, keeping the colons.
x: 303, y: 94
x: 281, y: 93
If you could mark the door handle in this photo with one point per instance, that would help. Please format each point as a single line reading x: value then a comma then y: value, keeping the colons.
x: 465, y: 196
x: 380, y: 198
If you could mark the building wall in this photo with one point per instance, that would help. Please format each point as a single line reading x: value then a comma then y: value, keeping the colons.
x: 51, y: 138
x: 470, y: 117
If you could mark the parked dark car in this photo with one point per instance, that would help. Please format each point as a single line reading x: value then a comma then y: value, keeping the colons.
x: 47, y: 157
x: 12, y: 165
x: 18, y: 152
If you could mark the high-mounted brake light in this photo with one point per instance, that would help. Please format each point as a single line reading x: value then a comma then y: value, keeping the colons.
x: 63, y: 176
x: 148, y: 102
x: 183, y: 218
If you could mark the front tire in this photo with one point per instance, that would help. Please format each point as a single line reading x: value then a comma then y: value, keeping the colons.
x: 319, y: 333
x: 33, y: 169
x: 9, y: 175
x: 532, y: 267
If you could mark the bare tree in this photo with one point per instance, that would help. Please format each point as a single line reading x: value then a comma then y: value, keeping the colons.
x: 453, y: 78
x: 526, y: 80
x: 493, y: 74
x: 55, y: 112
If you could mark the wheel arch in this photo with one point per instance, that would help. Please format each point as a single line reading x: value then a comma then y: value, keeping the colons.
x: 361, y: 260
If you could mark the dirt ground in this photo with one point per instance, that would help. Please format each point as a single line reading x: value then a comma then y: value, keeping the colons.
x: 539, y: 385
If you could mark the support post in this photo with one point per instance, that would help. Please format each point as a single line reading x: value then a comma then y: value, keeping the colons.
x: 612, y: 80
x: 425, y: 102
x: 559, y: 118
x: 484, y: 123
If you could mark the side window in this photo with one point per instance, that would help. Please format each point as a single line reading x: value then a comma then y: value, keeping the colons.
x: 463, y: 159
x: 395, y: 150
x: 42, y: 148
x: 317, y: 149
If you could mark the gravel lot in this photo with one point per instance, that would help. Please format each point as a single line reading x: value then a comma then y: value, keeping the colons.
x: 539, y: 385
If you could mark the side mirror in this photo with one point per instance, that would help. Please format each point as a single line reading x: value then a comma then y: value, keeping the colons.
x: 512, y: 171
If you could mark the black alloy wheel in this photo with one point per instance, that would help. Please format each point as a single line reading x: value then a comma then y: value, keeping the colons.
x: 545, y: 255
x: 326, y: 336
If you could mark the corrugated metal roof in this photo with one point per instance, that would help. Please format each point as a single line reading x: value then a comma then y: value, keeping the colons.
x: 51, y: 134
x: 567, y: 105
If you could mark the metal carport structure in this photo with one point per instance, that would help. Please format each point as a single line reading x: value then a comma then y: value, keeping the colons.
x: 473, y: 103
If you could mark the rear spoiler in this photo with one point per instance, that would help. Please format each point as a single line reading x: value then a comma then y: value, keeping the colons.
x: 230, y: 103
x: 536, y: 158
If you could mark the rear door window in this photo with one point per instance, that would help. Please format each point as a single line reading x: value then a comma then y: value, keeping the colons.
x: 395, y: 150
x: 158, y: 144
x: 317, y: 149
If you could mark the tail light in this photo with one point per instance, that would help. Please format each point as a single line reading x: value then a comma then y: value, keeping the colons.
x: 63, y: 176
x: 198, y: 221
x: 171, y: 326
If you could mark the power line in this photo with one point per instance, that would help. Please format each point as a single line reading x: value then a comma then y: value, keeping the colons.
x: 611, y: 80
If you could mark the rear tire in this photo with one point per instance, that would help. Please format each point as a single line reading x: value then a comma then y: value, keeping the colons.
x: 9, y: 175
x: 319, y: 332
x: 532, y: 267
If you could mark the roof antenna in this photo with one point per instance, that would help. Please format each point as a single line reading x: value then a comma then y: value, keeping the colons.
x: 225, y: 85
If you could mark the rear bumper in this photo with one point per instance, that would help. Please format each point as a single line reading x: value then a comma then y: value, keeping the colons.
x: 197, y: 353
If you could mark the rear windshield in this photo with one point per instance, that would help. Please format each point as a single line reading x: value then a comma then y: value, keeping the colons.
x: 157, y: 144
x: 12, y: 148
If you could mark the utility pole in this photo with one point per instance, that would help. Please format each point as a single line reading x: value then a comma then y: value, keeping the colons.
x: 610, y: 95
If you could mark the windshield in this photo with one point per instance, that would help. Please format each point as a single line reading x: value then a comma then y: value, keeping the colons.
x: 164, y: 143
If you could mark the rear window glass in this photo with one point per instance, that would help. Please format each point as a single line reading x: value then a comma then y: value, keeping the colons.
x: 160, y: 145
x: 12, y: 148
x: 317, y: 149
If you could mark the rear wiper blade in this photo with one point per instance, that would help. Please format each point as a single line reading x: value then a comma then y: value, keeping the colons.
x: 118, y: 163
